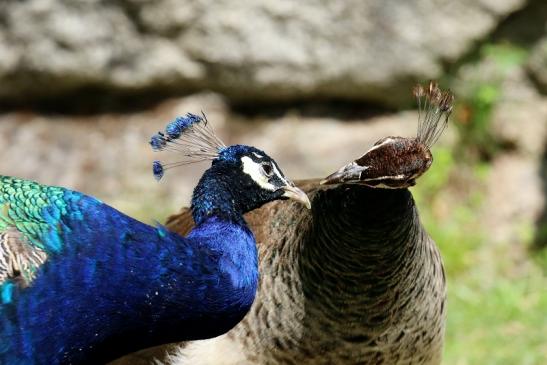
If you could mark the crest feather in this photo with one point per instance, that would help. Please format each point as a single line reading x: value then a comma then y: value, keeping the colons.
x: 191, y: 137
x: 434, y: 107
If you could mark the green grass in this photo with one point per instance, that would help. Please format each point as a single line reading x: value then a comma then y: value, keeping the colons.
x: 497, y: 306
x: 497, y: 320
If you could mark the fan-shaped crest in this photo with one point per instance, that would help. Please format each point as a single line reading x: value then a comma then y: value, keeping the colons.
x: 435, y: 106
x: 191, y: 137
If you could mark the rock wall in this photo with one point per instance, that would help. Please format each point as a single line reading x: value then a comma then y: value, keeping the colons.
x: 264, y: 50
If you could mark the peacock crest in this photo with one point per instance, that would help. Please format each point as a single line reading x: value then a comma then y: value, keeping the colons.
x: 191, y: 137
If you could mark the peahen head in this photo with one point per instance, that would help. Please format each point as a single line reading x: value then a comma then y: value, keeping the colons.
x: 241, y: 178
x: 396, y: 162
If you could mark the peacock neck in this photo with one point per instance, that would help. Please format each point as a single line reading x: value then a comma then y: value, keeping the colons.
x: 213, y: 197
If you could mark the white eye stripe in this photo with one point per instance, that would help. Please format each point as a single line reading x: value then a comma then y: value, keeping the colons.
x: 279, y: 175
x: 257, y: 155
x: 253, y: 169
x: 396, y: 177
x: 388, y: 140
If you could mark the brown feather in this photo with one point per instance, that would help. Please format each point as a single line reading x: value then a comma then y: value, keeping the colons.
x: 18, y: 258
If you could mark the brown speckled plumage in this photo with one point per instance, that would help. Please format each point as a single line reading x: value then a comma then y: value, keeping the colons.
x: 356, y: 281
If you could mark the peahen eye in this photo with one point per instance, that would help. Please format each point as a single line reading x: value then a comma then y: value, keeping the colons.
x: 267, y: 169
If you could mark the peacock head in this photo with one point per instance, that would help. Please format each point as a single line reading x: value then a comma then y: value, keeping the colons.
x: 254, y: 178
x: 247, y: 175
x: 396, y: 162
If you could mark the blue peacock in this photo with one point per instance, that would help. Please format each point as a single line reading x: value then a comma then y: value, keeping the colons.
x: 81, y: 282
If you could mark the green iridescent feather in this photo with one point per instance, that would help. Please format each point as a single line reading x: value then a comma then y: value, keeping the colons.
x: 22, y: 203
x: 28, y: 215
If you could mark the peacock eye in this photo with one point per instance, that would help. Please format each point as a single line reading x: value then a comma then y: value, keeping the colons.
x: 267, y: 169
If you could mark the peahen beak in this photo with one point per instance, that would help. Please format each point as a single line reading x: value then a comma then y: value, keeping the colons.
x: 294, y: 193
x: 349, y: 173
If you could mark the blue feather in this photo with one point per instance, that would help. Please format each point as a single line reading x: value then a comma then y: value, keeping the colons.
x: 158, y: 141
x: 157, y: 170
x: 6, y: 292
x: 119, y: 277
x: 175, y: 129
x: 189, y: 136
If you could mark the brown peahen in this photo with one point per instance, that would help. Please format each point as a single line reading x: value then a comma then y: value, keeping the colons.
x: 356, y: 280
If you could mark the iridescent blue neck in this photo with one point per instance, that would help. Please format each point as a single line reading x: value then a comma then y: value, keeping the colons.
x: 213, y: 197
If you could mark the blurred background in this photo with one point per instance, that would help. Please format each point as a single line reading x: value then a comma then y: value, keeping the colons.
x: 84, y: 84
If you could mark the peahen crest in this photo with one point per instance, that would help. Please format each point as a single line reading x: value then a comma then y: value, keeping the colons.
x: 191, y: 137
x: 434, y: 108
x: 396, y: 162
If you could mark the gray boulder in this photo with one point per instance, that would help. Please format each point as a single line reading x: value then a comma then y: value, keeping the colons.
x: 538, y: 64
x: 264, y: 50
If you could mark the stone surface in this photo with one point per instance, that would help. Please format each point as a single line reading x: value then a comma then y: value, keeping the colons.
x: 515, y: 196
x: 524, y: 27
x: 520, y: 117
x: 527, y: 28
x: 264, y: 50
x: 538, y: 63
x: 515, y: 199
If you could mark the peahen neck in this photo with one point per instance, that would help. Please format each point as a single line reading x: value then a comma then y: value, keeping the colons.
x: 367, y: 247
x: 368, y: 222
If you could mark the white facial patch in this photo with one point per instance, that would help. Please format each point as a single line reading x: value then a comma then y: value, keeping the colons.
x: 278, y: 174
x: 254, y: 170
x: 386, y: 141
x: 395, y: 177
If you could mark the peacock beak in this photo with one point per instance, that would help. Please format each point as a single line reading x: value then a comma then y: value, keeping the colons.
x: 294, y: 193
